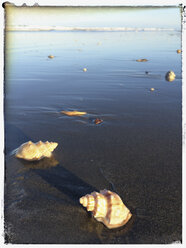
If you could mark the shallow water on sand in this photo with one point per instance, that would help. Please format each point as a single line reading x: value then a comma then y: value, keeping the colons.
x: 135, y: 152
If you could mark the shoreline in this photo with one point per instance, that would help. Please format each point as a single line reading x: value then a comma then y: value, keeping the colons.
x: 107, y: 29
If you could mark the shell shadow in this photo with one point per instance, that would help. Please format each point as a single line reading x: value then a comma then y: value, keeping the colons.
x: 65, y: 181
x: 48, y: 169
x: 74, y: 188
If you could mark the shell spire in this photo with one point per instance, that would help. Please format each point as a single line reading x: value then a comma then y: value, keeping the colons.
x: 107, y: 207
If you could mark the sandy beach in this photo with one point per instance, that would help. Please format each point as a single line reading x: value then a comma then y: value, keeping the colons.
x: 136, y: 151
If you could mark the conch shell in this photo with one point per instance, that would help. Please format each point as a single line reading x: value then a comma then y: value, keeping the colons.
x: 35, y: 151
x: 170, y: 76
x: 73, y: 113
x: 107, y: 207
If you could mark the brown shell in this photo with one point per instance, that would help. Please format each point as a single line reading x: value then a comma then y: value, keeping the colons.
x: 98, y: 121
x: 107, y: 207
x: 35, y: 151
x: 141, y: 60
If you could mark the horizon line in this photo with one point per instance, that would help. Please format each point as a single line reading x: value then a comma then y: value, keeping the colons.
x: 62, y: 28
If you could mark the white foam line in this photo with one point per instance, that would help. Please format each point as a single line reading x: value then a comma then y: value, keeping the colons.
x: 61, y: 28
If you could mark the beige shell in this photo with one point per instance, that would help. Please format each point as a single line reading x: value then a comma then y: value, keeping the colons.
x: 73, y: 113
x: 35, y: 151
x: 141, y: 60
x: 107, y: 207
x: 170, y: 76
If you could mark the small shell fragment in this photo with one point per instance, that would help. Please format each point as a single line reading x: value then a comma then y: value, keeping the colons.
x: 73, y: 113
x: 50, y: 56
x: 107, y: 207
x: 35, y: 151
x: 141, y: 60
x: 98, y: 121
x: 170, y: 76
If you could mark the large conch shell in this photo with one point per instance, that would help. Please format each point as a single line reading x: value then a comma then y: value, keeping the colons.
x: 35, y: 151
x: 107, y: 207
x: 73, y: 113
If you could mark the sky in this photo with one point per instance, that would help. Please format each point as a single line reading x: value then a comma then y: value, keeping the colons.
x: 162, y: 17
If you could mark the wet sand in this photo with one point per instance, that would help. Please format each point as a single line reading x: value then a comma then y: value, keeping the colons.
x: 136, y: 151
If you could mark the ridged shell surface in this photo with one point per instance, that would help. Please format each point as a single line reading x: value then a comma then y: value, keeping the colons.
x: 107, y: 207
x: 35, y: 151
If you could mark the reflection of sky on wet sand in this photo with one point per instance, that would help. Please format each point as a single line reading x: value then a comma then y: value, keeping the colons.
x: 32, y: 49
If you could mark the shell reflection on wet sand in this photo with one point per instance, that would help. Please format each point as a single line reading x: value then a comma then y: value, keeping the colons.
x: 73, y: 113
x: 42, y: 164
x: 107, y: 207
x: 35, y: 151
x: 106, y: 236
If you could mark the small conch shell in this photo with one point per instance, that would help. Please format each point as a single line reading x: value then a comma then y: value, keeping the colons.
x: 107, y: 207
x: 35, y: 151
x: 73, y: 113
x: 170, y: 76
